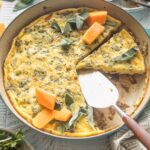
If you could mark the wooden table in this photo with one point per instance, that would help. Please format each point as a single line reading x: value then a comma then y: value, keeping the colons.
x: 42, y: 142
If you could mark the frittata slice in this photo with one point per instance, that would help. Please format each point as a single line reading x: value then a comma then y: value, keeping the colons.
x: 119, y: 55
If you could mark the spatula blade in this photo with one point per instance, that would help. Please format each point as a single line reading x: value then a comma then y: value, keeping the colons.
x: 98, y: 91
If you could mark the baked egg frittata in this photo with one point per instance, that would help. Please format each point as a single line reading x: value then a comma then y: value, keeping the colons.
x: 45, y: 55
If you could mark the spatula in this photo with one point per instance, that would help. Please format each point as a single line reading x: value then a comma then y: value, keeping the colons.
x: 99, y: 92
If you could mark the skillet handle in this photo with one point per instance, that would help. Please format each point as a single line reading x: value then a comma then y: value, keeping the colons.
x: 139, y: 132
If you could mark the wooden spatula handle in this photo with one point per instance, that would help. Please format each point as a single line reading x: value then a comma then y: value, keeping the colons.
x: 139, y: 132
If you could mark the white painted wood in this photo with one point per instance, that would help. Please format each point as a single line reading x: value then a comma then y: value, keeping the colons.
x: 39, y: 141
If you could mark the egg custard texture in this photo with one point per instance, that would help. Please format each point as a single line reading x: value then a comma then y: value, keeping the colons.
x: 40, y: 58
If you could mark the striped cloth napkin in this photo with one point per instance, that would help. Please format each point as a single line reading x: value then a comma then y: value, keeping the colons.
x: 125, y: 139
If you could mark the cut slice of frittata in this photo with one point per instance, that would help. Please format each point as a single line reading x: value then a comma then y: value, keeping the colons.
x: 119, y: 55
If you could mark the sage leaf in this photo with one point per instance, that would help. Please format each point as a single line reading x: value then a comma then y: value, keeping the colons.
x: 55, y: 26
x: 67, y: 28
x: 110, y: 23
x: 90, y: 117
x: 79, y: 22
x: 65, y: 43
x: 75, y: 22
x: 68, y: 100
x: 126, y: 56
x: 69, y: 126
x: 81, y: 112
x: 80, y: 19
x: 72, y: 19
x: 84, y: 14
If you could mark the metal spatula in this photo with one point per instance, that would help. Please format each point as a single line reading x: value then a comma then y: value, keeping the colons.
x: 99, y: 92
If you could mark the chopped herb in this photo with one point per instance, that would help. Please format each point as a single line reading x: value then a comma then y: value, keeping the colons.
x: 65, y: 43
x: 58, y: 106
x: 13, y: 143
x: 68, y: 100
x: 126, y: 56
x: 18, y: 43
x: 55, y: 26
x: 23, y: 83
x: 39, y: 73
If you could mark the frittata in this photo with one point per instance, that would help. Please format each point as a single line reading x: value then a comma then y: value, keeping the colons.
x: 44, y: 55
x: 119, y: 55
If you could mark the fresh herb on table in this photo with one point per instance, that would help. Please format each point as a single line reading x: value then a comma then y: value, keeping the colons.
x: 3, y: 135
x: 65, y: 44
x: 13, y: 143
x: 126, y: 56
x: 21, y: 4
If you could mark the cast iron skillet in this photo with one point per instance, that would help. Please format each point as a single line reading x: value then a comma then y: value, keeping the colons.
x: 46, y: 6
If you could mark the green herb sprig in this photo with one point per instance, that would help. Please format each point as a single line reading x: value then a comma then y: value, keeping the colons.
x: 22, y: 4
x: 13, y: 143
